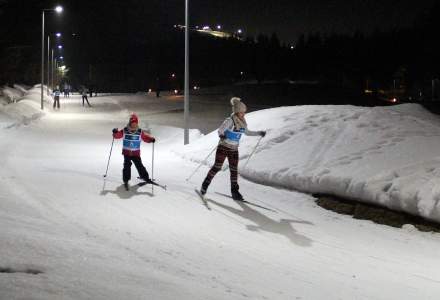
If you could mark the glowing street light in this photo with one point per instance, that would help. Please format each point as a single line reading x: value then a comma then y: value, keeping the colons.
x: 60, y: 47
x: 58, y: 9
x: 219, y: 27
x: 58, y: 34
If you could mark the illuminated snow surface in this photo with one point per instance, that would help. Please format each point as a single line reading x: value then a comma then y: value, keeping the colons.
x: 68, y: 234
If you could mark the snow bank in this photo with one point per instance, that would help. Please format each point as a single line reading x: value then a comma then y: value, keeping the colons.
x: 384, y: 155
x: 23, y: 105
x: 12, y: 94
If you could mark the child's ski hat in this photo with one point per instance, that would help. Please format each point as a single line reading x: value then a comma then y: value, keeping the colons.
x: 133, y: 119
x: 237, y: 105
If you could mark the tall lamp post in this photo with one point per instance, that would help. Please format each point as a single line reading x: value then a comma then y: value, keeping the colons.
x: 49, y: 62
x: 58, y: 10
x: 53, y: 67
x: 186, y: 97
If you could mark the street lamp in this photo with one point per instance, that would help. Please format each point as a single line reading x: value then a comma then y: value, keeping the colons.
x: 60, y: 47
x: 58, y: 35
x: 186, y: 85
x: 58, y: 10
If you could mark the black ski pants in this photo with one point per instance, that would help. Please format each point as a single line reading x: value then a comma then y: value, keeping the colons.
x: 126, y: 172
x: 85, y: 98
x: 56, y: 102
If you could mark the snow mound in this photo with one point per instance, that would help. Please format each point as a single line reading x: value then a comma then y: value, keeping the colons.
x: 12, y: 94
x: 383, y: 155
x: 23, y: 105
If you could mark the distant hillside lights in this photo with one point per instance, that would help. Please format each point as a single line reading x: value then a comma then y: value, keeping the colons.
x: 217, y: 32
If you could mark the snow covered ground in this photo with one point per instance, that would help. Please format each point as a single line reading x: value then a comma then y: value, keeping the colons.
x: 68, y: 234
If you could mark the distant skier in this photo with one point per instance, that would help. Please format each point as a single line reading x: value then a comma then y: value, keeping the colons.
x: 84, y: 96
x: 66, y: 90
x: 230, y: 133
x: 56, y: 97
x: 131, y: 149
x: 158, y: 87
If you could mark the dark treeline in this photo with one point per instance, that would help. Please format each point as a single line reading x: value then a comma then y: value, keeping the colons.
x: 117, y: 51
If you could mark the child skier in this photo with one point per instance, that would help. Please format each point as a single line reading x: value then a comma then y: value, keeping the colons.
x: 230, y: 133
x: 131, y: 149
x: 56, y: 97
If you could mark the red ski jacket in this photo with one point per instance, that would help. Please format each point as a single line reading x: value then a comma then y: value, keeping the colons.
x: 132, y: 140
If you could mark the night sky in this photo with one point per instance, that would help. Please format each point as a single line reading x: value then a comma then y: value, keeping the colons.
x: 285, y: 17
x: 291, y: 18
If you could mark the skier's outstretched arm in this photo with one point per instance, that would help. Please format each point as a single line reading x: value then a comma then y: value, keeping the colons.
x: 117, y: 134
x: 147, y: 138
x: 254, y: 133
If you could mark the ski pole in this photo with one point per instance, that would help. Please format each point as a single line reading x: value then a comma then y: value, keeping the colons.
x: 253, y: 151
x: 111, y: 149
x: 152, y: 169
x: 195, y: 171
x: 152, y: 164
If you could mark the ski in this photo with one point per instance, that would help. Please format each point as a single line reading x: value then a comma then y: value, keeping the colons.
x: 202, y: 197
x: 153, y: 183
x: 246, y: 202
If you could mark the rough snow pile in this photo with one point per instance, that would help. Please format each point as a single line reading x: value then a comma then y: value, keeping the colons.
x: 12, y: 94
x: 384, y: 155
x: 25, y: 110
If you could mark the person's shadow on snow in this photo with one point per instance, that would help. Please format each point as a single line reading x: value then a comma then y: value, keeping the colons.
x: 265, y: 223
x: 124, y: 194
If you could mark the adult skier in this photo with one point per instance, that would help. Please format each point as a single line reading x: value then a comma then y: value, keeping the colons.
x: 230, y: 133
x: 84, y: 96
x: 131, y: 149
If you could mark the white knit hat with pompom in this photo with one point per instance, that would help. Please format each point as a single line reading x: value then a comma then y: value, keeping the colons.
x: 237, y: 105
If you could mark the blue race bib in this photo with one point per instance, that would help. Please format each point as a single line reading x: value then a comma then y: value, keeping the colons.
x: 234, y: 136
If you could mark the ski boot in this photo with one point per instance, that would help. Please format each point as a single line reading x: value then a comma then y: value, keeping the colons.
x: 204, y: 188
x: 236, y: 194
x: 148, y: 180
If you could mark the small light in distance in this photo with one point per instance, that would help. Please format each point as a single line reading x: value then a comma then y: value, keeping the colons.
x: 176, y: 92
x: 219, y: 27
x: 150, y: 90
